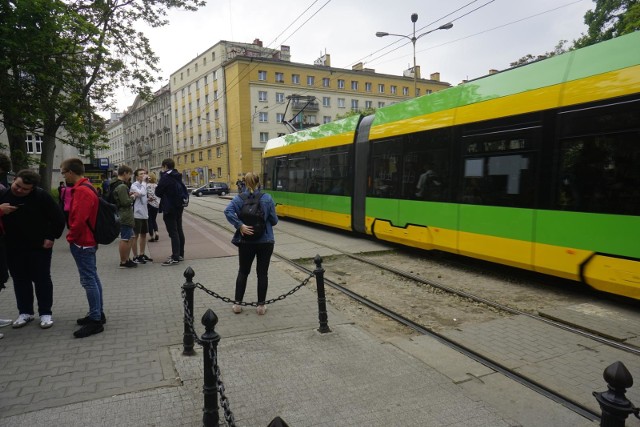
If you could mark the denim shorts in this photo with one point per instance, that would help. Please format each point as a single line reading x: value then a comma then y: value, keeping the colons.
x: 126, y: 232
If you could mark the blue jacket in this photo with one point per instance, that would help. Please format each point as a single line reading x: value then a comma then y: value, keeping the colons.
x: 232, y: 211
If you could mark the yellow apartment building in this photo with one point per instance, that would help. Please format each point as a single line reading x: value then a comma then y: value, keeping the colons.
x: 229, y: 101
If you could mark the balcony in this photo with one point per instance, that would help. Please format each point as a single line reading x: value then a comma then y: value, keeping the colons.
x: 298, y: 105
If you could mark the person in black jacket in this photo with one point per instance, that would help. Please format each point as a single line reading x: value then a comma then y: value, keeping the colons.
x: 169, y: 191
x: 30, y: 233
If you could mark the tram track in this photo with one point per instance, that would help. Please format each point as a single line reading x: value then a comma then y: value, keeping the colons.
x: 402, y: 317
x: 460, y: 293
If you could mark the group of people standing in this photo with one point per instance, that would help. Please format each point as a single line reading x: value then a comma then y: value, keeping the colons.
x: 31, y: 220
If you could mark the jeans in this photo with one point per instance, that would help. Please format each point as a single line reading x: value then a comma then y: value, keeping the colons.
x: 86, y: 261
x: 173, y: 222
x: 31, y: 268
x: 247, y: 252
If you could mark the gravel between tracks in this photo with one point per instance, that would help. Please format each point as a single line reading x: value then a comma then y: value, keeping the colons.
x: 434, y: 308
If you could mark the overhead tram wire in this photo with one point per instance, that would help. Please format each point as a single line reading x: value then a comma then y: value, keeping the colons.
x: 503, y: 25
x: 236, y: 80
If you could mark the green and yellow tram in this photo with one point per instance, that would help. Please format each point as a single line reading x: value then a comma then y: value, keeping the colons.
x: 536, y: 167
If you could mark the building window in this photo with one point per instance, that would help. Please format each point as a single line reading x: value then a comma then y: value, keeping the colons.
x: 380, y: 88
x: 218, y: 133
x: 262, y: 96
x: 354, y: 85
x: 368, y: 104
x: 417, y: 91
x: 326, y: 119
x: 193, y: 157
x: 209, y: 154
x: 394, y: 89
x: 215, y: 94
x: 326, y: 101
x: 367, y: 87
x: 263, y: 117
x: 340, y: 102
x: 34, y: 144
x: 279, y: 117
x: 354, y: 104
x: 340, y: 84
x: 262, y: 75
x: 280, y: 97
x: 213, y: 56
x: 295, y: 79
x: 279, y: 77
x: 405, y: 91
x: 311, y: 80
x: 200, y: 155
x: 219, y: 172
x: 325, y: 82
x: 216, y: 114
x: 380, y: 104
x: 218, y: 152
x: 264, y: 136
x: 428, y: 91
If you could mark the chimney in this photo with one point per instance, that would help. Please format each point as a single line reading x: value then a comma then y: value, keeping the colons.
x: 493, y: 71
x: 435, y: 77
x: 358, y: 67
x: 257, y: 42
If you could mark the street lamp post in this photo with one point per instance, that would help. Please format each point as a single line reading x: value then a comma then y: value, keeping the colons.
x: 414, y: 39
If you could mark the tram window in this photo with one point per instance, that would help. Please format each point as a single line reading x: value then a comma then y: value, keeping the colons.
x: 386, y: 160
x: 426, y: 166
x: 329, y: 173
x: 298, y: 167
x: 282, y: 174
x: 600, y: 173
x: 500, y: 180
x: 267, y: 179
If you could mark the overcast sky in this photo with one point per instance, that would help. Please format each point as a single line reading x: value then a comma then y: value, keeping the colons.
x: 486, y: 33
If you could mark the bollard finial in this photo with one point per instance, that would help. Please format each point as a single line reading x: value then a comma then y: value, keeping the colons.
x: 618, y: 376
x: 189, y: 274
x: 209, y: 320
x: 318, y: 261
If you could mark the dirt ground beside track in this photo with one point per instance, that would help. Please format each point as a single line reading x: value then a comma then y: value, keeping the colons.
x: 434, y: 308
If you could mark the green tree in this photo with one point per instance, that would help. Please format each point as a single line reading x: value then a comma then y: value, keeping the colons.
x: 60, y: 61
x: 609, y: 19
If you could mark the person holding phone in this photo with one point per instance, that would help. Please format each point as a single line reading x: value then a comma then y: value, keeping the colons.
x: 30, y: 232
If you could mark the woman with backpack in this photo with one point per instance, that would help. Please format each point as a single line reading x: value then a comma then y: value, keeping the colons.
x: 253, y: 214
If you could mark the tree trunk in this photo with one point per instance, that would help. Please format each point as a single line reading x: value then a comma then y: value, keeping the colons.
x: 17, y: 141
x: 48, y: 152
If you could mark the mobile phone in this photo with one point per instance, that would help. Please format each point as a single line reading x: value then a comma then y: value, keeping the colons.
x: 17, y: 204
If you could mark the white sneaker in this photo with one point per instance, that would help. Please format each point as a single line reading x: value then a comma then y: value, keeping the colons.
x: 5, y: 322
x: 46, y: 321
x: 22, y: 320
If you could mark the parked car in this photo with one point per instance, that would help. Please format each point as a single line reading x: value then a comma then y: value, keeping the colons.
x: 220, y: 188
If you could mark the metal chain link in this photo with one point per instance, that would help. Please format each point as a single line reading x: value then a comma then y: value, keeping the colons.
x: 255, y: 304
x: 188, y: 321
x: 224, y: 401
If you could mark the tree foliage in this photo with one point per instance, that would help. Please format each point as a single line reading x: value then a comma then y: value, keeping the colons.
x: 60, y: 61
x: 609, y: 19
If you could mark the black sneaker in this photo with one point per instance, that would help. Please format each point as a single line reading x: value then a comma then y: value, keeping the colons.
x: 170, y: 261
x: 145, y: 258
x: 128, y: 264
x: 85, y: 320
x: 139, y: 260
x: 91, y: 328
x: 180, y: 258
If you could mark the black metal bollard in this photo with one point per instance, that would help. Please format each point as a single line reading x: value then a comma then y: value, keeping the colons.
x: 210, y: 340
x: 614, y: 404
x: 188, y: 338
x: 322, y: 301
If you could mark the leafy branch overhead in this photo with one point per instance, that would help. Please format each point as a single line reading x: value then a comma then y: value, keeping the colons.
x: 609, y: 19
x: 60, y: 61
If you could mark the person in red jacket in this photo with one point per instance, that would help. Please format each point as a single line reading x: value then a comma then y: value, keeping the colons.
x: 83, y: 214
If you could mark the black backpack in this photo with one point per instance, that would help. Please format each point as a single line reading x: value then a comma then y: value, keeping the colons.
x: 182, y: 194
x: 107, y: 221
x: 251, y: 214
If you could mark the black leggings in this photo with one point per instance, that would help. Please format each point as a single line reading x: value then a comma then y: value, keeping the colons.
x: 247, y: 252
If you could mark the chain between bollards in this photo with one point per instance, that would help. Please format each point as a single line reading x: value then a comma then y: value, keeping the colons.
x: 322, y: 301
x: 188, y: 337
